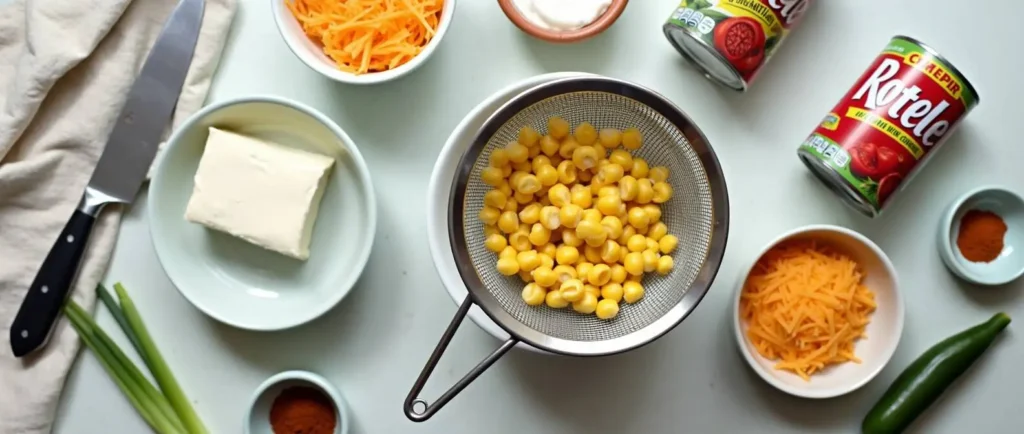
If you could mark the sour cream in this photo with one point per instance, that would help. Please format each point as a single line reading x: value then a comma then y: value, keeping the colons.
x: 562, y: 15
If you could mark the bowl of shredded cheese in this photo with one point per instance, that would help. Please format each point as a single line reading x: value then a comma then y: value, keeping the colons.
x: 363, y: 41
x: 819, y: 312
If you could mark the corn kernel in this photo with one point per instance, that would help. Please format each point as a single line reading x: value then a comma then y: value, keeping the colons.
x: 525, y: 276
x: 528, y: 136
x: 508, y: 266
x: 539, y: 235
x: 508, y: 253
x: 638, y: 218
x: 517, y: 153
x: 657, y: 231
x: 622, y: 158
x: 567, y: 172
x: 495, y: 243
x: 533, y: 294
x: 558, y: 127
x: 610, y: 251
x: 528, y: 260
x: 492, y: 176
x: 658, y: 174
x: 640, y: 168
x: 520, y: 240
x: 530, y: 214
x: 554, y: 300
x: 637, y: 243
x: 586, y: 134
x: 505, y: 189
x: 609, y: 205
x: 527, y: 184
x: 545, y: 200
x: 580, y: 195
x: 592, y: 254
x: 523, y: 198
x: 548, y: 249
x: 653, y: 212
x: 610, y: 138
x: 499, y: 158
x: 662, y: 192
x: 511, y: 205
x: 546, y: 260
x: 506, y: 171
x: 627, y: 233
x: 515, y: 177
x: 623, y: 252
x: 495, y: 199
x: 612, y: 291
x: 607, y: 309
x: 523, y: 167
x: 567, y: 148
x: 610, y: 173
x: 618, y: 273
x: 586, y: 305
x: 544, y: 276
x: 490, y: 230
x: 592, y: 290
x: 613, y: 226
x: 599, y: 274
x: 632, y: 292
x: 489, y: 215
x: 534, y: 151
x: 565, y: 272
x: 549, y: 217
x: 572, y: 290
x: 601, y: 153
x: 667, y: 244
x: 623, y: 215
x: 650, y: 258
x: 590, y: 231
x: 632, y: 139
x: 628, y: 188
x: 570, y: 215
x: 584, y: 157
x: 584, y: 175
x: 547, y: 175
x: 559, y: 195
x: 583, y: 268
x: 566, y: 255
x: 634, y: 263
x: 592, y: 215
x: 644, y: 191
x: 549, y: 146
x: 569, y: 238
x: 665, y: 264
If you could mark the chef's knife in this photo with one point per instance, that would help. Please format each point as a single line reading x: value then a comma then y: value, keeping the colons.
x: 119, y: 174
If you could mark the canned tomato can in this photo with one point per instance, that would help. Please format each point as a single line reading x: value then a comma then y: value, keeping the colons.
x: 886, y: 127
x: 730, y: 40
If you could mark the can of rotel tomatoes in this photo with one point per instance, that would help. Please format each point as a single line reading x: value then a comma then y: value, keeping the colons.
x: 882, y: 132
x: 730, y: 40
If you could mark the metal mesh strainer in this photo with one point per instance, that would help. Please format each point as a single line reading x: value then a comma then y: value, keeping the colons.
x: 697, y: 214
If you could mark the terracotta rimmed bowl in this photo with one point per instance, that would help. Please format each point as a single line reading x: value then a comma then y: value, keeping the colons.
x: 590, y: 30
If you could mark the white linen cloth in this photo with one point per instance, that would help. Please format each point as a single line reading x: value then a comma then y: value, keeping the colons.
x: 65, y: 70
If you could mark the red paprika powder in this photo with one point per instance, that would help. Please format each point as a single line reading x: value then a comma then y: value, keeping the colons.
x: 981, y: 236
x: 303, y: 410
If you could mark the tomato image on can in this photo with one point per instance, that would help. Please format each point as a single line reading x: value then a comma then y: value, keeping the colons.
x: 730, y: 40
x: 882, y: 132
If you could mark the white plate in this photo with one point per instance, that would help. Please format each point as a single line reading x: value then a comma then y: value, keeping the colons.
x: 884, y: 330
x: 440, y: 187
x: 244, y: 285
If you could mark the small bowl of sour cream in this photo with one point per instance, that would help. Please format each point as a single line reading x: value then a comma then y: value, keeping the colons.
x: 563, y: 21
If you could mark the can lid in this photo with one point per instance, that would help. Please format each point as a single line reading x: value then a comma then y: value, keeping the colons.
x: 837, y: 184
x: 709, y: 60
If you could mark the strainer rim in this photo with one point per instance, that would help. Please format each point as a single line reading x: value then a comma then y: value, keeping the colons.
x: 719, y: 231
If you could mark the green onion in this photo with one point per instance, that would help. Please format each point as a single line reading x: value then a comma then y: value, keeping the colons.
x: 158, y: 367
x: 132, y: 384
x: 118, y: 315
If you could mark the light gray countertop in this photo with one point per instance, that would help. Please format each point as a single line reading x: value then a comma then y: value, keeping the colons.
x: 373, y: 345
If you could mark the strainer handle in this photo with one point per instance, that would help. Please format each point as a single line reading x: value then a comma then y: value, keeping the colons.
x: 418, y: 410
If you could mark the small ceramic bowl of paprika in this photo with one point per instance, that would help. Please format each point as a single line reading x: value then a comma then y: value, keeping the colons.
x: 981, y: 236
x: 295, y: 401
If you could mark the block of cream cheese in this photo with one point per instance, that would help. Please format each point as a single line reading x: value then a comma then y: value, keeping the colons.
x: 264, y: 193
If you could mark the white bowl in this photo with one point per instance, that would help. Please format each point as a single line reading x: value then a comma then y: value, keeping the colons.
x: 257, y: 419
x: 440, y: 188
x: 310, y: 53
x: 883, y: 332
x: 1010, y: 264
x: 241, y: 284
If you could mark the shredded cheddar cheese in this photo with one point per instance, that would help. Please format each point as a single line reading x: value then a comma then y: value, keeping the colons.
x: 805, y: 306
x: 364, y: 36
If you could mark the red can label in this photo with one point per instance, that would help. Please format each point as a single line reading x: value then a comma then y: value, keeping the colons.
x: 900, y: 110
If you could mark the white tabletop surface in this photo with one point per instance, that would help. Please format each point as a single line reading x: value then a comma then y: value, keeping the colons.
x: 374, y: 344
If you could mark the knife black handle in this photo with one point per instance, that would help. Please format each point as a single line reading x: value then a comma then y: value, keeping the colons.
x: 45, y: 298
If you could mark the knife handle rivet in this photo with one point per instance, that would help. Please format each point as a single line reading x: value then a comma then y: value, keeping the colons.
x: 71, y: 239
x: 45, y: 289
x: 24, y: 334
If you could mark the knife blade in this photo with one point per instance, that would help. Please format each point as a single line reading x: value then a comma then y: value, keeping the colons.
x: 119, y: 174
